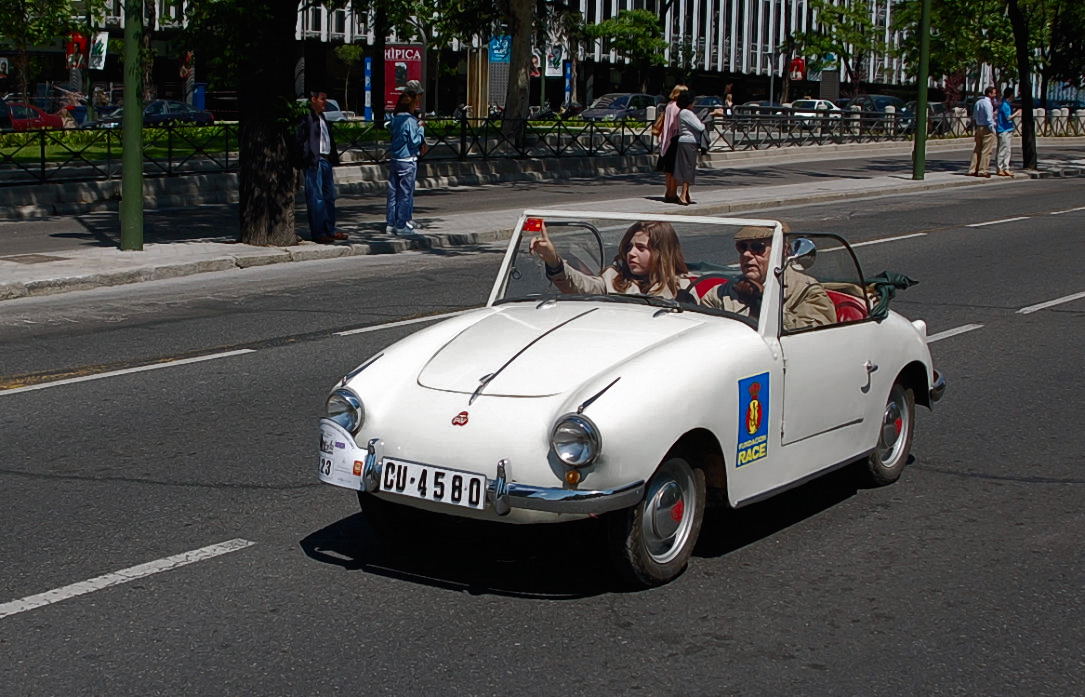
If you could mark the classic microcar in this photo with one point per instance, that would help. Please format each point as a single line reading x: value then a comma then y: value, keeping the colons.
x: 546, y: 406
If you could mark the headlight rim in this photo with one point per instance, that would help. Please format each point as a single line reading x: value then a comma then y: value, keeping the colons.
x: 588, y: 427
x: 355, y: 414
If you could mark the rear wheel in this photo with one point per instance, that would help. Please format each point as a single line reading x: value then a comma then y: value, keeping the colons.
x: 885, y: 464
x: 651, y: 542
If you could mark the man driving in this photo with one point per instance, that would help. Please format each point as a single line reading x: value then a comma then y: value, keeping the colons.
x: 806, y: 304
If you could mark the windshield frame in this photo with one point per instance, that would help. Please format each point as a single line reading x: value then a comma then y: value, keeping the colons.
x: 769, y: 321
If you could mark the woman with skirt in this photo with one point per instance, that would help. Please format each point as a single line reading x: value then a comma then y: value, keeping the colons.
x: 690, y: 134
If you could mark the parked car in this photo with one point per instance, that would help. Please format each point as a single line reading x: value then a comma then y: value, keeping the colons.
x: 760, y: 107
x: 939, y: 118
x: 874, y: 115
x: 157, y: 112
x: 332, y: 111
x: 703, y: 105
x: 809, y: 113
x: 27, y: 117
x: 619, y: 106
x: 544, y: 407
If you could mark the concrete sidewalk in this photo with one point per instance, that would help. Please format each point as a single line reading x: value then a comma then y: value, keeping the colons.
x: 32, y: 274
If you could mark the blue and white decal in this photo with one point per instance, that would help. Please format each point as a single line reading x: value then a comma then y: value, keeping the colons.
x: 753, y: 419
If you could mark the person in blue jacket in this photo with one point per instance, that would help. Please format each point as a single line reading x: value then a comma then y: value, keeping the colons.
x: 1004, y: 128
x: 315, y: 147
x: 408, y: 142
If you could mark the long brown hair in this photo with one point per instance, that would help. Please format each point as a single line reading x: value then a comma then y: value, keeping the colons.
x: 667, y: 263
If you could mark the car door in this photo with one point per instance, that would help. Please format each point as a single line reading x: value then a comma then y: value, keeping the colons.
x: 828, y: 368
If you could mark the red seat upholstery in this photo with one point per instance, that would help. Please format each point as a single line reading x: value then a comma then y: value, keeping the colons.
x: 704, y: 284
x: 848, y: 307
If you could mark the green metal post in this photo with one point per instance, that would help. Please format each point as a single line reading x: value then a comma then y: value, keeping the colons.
x: 919, y: 152
x: 132, y: 131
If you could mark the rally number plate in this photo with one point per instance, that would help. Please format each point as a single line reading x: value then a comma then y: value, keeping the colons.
x: 433, y: 483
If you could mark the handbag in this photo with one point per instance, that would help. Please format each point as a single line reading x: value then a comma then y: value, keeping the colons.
x: 657, y: 127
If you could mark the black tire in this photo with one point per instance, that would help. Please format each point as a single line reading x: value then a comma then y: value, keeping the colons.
x: 651, y: 542
x: 886, y: 463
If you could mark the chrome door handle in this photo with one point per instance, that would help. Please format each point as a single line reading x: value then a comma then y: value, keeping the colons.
x: 870, y: 367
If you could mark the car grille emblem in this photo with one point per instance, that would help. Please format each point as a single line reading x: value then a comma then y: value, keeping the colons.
x: 460, y: 419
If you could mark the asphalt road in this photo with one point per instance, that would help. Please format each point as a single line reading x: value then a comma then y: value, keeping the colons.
x: 964, y: 578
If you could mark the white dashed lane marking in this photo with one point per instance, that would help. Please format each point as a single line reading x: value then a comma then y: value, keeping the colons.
x: 952, y: 332
x: 997, y: 222
x: 32, y: 602
x: 126, y: 371
x: 1050, y: 303
x: 401, y: 323
x: 1068, y: 210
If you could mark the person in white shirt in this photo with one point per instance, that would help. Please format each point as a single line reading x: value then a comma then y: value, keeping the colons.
x: 983, y: 123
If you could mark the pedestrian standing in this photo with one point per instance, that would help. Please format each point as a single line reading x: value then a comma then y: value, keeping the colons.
x: 667, y: 142
x: 316, y: 153
x: 983, y: 122
x: 1004, y: 128
x: 408, y: 142
x: 690, y: 135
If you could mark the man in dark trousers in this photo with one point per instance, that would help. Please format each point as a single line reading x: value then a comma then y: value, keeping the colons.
x: 317, y: 154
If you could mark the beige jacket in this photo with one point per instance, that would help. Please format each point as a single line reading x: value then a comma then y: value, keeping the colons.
x: 806, y: 304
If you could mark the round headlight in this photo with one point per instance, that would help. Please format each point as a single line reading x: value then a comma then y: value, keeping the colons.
x: 575, y: 440
x: 345, y: 408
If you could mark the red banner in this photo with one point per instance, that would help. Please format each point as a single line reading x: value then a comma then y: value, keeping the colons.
x: 402, y: 62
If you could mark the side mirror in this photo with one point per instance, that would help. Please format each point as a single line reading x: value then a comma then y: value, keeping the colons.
x: 802, y: 254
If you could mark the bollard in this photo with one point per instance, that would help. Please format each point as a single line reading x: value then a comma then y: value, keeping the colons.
x: 891, y: 119
x: 853, y: 120
x: 1039, y: 117
x: 650, y: 114
x: 960, y: 120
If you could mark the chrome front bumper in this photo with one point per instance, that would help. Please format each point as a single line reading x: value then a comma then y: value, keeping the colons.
x: 504, y: 495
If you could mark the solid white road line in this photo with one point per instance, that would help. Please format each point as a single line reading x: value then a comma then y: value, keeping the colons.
x: 401, y: 323
x: 952, y: 332
x: 32, y: 602
x: 1068, y: 210
x: 1050, y: 303
x: 996, y: 222
x: 126, y: 371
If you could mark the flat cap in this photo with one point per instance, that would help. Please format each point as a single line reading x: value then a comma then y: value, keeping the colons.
x: 753, y: 232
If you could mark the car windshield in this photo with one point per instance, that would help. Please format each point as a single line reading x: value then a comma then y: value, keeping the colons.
x: 587, y: 247
x: 610, y: 101
x: 804, y: 104
x: 881, y: 102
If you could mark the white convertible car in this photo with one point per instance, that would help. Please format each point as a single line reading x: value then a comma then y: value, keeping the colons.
x: 546, y: 406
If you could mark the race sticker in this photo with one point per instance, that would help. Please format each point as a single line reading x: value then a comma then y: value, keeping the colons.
x: 753, y: 419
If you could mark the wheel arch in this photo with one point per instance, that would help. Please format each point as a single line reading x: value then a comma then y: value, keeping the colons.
x: 702, y: 449
x: 914, y: 376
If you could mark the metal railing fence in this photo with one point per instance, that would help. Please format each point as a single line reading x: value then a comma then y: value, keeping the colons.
x: 57, y: 156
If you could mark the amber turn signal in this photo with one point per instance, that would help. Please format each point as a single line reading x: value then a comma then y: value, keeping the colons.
x: 572, y: 477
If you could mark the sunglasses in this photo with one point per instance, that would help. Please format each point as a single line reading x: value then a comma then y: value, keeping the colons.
x: 757, y: 247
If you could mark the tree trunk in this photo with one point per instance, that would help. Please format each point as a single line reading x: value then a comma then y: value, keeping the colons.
x: 1024, y: 54
x: 267, y: 177
x: 521, y: 21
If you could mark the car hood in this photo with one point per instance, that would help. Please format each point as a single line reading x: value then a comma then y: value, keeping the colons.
x: 525, y: 351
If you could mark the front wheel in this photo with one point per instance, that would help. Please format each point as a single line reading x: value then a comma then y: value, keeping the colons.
x: 885, y: 464
x: 651, y: 542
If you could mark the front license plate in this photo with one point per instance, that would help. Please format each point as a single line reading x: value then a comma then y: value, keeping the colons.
x: 433, y: 483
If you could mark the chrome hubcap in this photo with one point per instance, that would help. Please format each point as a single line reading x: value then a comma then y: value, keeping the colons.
x: 668, y: 513
x: 894, y: 428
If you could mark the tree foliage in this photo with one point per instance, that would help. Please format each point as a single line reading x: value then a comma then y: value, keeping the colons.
x: 26, y: 23
x: 845, y: 31
x: 636, y: 36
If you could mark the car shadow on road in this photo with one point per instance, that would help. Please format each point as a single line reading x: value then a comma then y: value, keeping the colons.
x: 725, y: 530
x: 554, y: 562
